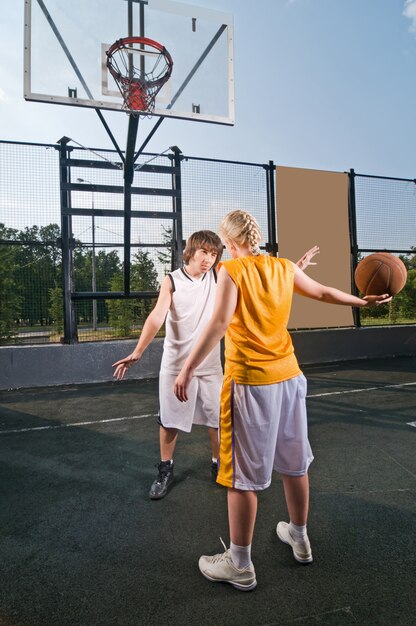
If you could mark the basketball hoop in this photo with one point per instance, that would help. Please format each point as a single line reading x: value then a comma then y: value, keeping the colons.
x: 140, y: 67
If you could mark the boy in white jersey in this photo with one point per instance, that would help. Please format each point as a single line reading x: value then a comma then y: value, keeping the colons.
x: 186, y: 300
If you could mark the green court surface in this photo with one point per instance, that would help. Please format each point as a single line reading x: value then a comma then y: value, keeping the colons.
x: 82, y: 544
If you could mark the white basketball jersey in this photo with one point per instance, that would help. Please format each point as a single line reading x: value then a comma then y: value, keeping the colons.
x: 190, y: 311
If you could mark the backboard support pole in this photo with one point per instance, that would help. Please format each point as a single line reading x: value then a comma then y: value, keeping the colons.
x: 128, y: 182
x: 77, y: 71
x: 67, y: 242
x: 177, y: 208
x: 182, y: 87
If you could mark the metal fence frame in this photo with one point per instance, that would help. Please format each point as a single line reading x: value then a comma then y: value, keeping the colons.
x: 174, y: 170
x: 356, y: 250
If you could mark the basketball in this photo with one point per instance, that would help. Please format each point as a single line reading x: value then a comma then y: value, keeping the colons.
x: 380, y: 273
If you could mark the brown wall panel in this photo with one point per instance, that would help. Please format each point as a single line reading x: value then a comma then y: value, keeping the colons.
x: 312, y: 208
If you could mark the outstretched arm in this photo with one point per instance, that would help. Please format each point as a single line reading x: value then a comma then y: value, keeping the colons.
x: 306, y: 286
x: 306, y: 259
x: 225, y: 303
x: 151, y: 326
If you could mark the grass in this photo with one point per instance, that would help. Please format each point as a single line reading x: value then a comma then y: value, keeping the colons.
x: 385, y: 321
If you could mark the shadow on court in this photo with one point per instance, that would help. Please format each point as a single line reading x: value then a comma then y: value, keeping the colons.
x: 81, y: 543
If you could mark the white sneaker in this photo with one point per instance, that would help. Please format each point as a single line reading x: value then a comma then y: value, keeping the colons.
x: 301, y: 547
x: 220, y: 568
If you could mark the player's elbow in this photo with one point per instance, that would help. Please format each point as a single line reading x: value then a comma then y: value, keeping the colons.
x: 155, y: 320
x: 220, y: 325
x: 324, y: 296
x: 329, y: 296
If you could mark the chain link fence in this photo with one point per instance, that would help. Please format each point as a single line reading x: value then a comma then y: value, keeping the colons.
x: 385, y: 211
x: 31, y: 294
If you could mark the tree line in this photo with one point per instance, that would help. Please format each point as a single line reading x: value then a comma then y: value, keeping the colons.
x: 402, y: 308
x: 31, y: 285
x: 31, y: 293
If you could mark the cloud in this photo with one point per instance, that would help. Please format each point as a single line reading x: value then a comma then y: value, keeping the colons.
x: 3, y: 96
x: 409, y: 11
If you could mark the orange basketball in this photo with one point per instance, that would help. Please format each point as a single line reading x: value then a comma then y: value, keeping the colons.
x: 380, y: 273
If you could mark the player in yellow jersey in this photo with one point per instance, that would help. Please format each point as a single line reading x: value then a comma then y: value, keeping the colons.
x: 263, y: 424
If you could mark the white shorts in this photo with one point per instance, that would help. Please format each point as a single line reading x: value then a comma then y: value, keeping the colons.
x: 263, y: 428
x: 202, y: 407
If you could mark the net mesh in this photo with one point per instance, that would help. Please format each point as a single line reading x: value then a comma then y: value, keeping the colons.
x: 140, y: 68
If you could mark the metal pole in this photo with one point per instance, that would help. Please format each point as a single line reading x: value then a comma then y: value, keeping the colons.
x: 129, y: 171
x: 271, y: 209
x: 353, y: 241
x: 177, y: 208
x: 70, y: 329
x: 128, y: 182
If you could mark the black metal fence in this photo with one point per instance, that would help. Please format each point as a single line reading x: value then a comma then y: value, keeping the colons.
x: 385, y: 221
x: 53, y: 261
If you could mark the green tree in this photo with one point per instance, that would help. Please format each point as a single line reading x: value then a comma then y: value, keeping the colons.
x: 144, y: 278
x: 107, y: 266
x: 165, y: 257
x: 120, y: 312
x: 10, y: 301
x: 124, y: 313
x: 56, y: 309
x: 403, y: 306
x: 82, y: 262
x: 39, y: 269
x: 405, y: 301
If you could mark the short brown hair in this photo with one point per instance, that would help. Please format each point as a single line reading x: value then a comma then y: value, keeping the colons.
x: 203, y: 239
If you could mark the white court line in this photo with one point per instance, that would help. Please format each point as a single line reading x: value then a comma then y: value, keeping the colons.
x: 397, y: 462
x: 74, y: 424
x: 138, y: 417
x: 316, y: 616
x: 341, y: 393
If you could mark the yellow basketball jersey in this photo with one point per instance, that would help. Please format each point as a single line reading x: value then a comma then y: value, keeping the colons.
x: 258, y: 347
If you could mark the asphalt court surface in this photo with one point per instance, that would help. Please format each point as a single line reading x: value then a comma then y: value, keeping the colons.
x: 81, y: 543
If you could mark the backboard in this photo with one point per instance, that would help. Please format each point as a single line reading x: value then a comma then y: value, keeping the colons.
x: 65, y: 59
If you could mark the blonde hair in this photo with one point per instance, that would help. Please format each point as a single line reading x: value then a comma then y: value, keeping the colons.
x: 242, y: 228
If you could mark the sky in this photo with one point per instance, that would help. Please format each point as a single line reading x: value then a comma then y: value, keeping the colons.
x: 320, y: 84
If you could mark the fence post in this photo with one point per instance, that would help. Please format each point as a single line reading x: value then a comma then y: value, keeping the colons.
x: 353, y: 241
x: 177, y: 207
x: 271, y: 245
x: 67, y: 245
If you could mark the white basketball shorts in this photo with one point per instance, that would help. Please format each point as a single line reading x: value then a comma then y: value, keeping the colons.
x: 263, y: 428
x: 202, y: 407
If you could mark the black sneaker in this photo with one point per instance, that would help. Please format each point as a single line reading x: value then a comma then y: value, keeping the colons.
x: 214, y: 471
x: 163, y: 482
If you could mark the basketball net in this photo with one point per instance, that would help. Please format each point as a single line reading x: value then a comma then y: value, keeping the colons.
x: 140, y: 67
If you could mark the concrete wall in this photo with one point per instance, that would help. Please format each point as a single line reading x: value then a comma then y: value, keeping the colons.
x: 347, y: 344
x: 38, y: 366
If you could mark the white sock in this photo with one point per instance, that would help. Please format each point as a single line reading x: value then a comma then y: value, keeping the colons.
x: 297, y: 532
x: 240, y: 555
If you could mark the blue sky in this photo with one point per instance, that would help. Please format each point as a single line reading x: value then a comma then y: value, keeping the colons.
x: 323, y: 84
